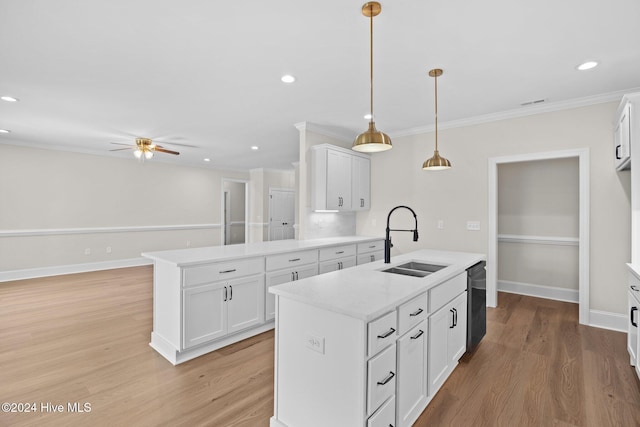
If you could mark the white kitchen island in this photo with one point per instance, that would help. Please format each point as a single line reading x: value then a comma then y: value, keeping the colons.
x: 207, y: 298
x: 363, y: 347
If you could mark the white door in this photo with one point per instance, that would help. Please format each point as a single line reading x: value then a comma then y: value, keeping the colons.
x: 281, y: 214
x: 205, y: 314
x: 226, y: 217
x: 245, y: 303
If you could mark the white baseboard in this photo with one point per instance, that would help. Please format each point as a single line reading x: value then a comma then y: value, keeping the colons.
x: 32, y: 273
x: 548, y: 292
x: 597, y: 318
x: 608, y: 320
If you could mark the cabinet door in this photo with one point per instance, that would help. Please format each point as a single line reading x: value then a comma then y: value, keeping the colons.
x: 632, y: 329
x: 337, y: 264
x: 360, y: 183
x: 204, y: 315
x: 622, y: 143
x: 284, y: 276
x: 338, y: 180
x: 457, y: 341
x: 439, y: 324
x: 245, y: 303
x: 412, y: 373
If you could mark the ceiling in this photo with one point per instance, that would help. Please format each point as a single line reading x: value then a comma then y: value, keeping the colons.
x: 206, y: 74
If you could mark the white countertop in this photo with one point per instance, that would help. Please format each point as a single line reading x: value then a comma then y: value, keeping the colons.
x: 193, y: 256
x: 635, y: 269
x: 365, y: 292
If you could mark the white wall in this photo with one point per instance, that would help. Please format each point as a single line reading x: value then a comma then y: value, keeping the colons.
x: 460, y: 194
x: 47, y: 196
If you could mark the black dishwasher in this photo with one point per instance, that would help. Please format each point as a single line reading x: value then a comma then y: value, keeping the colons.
x: 476, y: 304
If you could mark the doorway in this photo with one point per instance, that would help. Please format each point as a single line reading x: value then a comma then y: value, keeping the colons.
x: 281, y: 213
x: 234, y: 212
x: 583, y: 223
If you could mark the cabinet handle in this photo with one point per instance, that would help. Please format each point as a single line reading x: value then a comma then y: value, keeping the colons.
x: 631, y: 316
x: 455, y: 317
x: 227, y: 271
x: 386, y: 334
x: 296, y: 275
x: 634, y: 288
x: 373, y: 258
x: 418, y: 335
x: 618, y: 152
x: 339, y: 252
x: 372, y: 247
x: 362, y: 203
x: 416, y: 313
x: 387, y: 379
x: 231, y: 293
x: 294, y: 260
x: 453, y: 325
x: 225, y: 293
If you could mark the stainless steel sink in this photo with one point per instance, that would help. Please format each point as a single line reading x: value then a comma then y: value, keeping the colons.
x: 406, y: 272
x: 413, y: 265
x: 415, y: 269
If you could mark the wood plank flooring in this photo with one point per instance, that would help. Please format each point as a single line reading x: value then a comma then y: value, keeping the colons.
x: 84, y: 338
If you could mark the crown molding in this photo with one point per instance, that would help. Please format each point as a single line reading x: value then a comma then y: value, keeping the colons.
x: 516, y: 113
x: 339, y: 134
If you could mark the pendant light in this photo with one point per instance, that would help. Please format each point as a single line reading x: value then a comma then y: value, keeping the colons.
x: 371, y: 140
x: 436, y: 162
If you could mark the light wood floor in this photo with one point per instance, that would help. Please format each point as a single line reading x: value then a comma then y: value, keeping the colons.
x: 84, y: 338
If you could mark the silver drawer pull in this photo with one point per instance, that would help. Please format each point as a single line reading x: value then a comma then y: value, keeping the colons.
x: 227, y: 271
x: 418, y: 335
x: 387, y: 379
x: 415, y: 313
x: 339, y: 252
x: 386, y: 334
x: 294, y: 260
x: 372, y: 247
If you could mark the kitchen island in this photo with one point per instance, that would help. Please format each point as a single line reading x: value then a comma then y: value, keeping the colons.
x: 207, y: 298
x: 368, y: 347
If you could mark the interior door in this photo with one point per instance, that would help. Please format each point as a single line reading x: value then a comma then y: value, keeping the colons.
x: 281, y: 214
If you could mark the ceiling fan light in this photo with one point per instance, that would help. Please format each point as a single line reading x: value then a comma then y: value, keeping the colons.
x: 148, y: 154
x: 372, y: 141
x: 137, y: 153
x: 436, y: 163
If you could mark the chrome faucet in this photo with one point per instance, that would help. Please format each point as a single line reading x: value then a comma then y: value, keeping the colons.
x: 387, y: 240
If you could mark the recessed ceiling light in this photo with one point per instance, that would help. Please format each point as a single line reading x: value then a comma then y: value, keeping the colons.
x: 288, y: 78
x: 9, y: 98
x: 255, y: 147
x: 207, y: 160
x: 5, y: 131
x: 587, y: 65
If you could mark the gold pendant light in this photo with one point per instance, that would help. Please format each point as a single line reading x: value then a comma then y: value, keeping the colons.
x: 371, y: 140
x: 436, y: 162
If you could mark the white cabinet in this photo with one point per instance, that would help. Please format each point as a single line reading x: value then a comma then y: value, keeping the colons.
x: 633, y: 331
x: 284, y: 276
x: 622, y: 136
x: 447, y: 340
x: 214, y: 310
x: 412, y: 374
x: 337, y: 258
x: 360, y: 183
x: 370, y: 252
x: 338, y: 182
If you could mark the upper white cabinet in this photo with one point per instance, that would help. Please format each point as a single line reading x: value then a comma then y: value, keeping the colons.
x: 626, y: 130
x: 340, y: 179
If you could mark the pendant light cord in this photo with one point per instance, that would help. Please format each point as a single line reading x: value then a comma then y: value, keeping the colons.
x: 436, y: 98
x: 371, y: 60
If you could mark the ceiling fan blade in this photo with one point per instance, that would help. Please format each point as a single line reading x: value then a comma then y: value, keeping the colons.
x: 120, y: 143
x: 179, y: 145
x: 121, y: 149
x: 162, y: 150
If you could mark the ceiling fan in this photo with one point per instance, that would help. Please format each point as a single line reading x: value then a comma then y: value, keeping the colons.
x: 144, y: 148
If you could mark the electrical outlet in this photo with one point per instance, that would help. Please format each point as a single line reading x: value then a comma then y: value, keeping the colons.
x: 440, y: 224
x: 108, y: 249
x: 473, y: 225
x: 87, y: 251
x: 314, y: 342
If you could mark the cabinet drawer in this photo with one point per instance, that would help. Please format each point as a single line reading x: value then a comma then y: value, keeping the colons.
x: 381, y: 332
x: 291, y: 259
x: 221, y: 271
x: 442, y: 294
x: 381, y: 378
x: 385, y: 416
x: 337, y: 252
x: 370, y: 257
x: 377, y: 245
x: 337, y: 264
x: 411, y: 313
